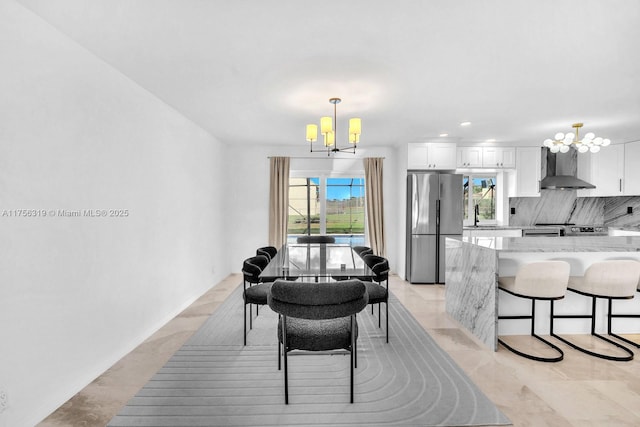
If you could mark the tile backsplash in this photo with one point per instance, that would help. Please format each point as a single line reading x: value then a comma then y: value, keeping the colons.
x: 563, y: 206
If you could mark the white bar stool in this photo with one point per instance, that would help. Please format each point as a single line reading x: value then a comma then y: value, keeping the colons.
x: 613, y: 279
x: 611, y: 316
x: 544, y: 280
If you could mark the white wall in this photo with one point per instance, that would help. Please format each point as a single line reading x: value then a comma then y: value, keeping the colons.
x: 249, y: 184
x: 77, y: 293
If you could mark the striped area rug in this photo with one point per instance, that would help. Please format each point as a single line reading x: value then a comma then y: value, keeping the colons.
x: 215, y: 381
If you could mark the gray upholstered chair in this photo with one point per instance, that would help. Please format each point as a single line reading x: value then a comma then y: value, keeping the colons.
x: 255, y: 290
x: 317, y: 317
x: 544, y: 280
x: 377, y: 292
x: 268, y: 251
x: 316, y: 239
x: 611, y: 279
x: 363, y: 250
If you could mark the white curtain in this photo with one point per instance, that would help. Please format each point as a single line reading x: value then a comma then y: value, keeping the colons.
x: 278, y: 200
x: 375, y: 204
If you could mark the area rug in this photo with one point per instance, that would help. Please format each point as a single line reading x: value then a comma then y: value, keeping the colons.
x: 213, y: 380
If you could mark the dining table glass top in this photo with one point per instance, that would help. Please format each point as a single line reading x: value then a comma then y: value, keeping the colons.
x: 316, y: 260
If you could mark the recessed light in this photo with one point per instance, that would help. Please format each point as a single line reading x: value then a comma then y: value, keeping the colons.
x: 491, y: 140
x: 444, y: 134
x: 465, y: 123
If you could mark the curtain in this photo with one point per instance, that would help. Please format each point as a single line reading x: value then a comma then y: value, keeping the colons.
x: 278, y: 200
x: 375, y: 204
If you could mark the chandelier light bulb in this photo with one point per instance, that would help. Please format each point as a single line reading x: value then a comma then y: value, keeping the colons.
x: 562, y: 142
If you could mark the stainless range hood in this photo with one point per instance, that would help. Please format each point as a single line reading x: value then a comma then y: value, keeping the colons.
x: 561, y: 170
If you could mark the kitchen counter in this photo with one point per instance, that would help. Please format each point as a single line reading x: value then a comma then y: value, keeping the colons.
x: 474, y: 264
x: 558, y: 244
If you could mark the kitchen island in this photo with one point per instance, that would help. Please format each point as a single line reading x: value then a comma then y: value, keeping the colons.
x: 474, y: 264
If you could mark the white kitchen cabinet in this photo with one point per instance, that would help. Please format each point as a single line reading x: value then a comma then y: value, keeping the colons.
x: 604, y: 169
x: 499, y: 157
x: 469, y: 157
x: 528, y: 164
x: 431, y: 155
x: 631, y: 183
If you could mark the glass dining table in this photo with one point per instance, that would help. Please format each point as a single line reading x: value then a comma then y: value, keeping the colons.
x: 316, y: 261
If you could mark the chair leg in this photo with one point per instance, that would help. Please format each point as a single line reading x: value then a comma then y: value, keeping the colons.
x: 353, y: 354
x: 610, y: 316
x: 286, y: 368
x: 245, y: 324
x: 532, y: 319
x: 386, y: 304
x: 592, y: 316
x: 250, y: 316
x: 379, y: 319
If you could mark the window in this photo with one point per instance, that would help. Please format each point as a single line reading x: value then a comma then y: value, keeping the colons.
x: 480, y: 190
x: 327, y: 205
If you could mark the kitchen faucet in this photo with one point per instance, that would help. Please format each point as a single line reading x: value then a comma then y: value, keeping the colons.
x: 476, y: 212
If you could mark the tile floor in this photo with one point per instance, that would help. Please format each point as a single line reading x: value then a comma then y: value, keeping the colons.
x: 579, y: 391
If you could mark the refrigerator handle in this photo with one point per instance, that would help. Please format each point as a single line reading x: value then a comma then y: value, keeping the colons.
x: 415, y: 202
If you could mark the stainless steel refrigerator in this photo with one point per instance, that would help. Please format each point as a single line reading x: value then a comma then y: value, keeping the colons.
x: 434, y: 212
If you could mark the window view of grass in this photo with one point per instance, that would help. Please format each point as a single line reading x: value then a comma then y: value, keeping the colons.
x: 344, y: 206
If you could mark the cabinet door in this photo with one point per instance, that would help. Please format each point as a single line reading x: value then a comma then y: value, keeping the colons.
x: 508, y: 157
x: 631, y: 184
x: 417, y: 155
x: 603, y: 169
x: 469, y: 157
x: 528, y: 163
x: 441, y: 156
x: 498, y: 157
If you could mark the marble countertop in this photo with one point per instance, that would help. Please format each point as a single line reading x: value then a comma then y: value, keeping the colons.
x: 558, y: 244
x: 626, y: 228
x: 510, y: 227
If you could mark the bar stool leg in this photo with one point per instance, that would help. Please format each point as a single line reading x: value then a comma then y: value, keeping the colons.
x: 592, y: 316
x: 610, y: 316
x: 532, y: 318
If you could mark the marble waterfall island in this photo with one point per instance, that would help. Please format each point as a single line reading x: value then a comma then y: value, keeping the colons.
x: 474, y: 264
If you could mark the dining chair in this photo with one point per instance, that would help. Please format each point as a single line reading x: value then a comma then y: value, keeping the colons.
x: 317, y: 317
x: 255, y: 289
x: 363, y: 250
x: 377, y: 292
x: 268, y: 251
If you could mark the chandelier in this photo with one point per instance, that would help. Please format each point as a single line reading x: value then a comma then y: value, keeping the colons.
x: 562, y: 142
x: 328, y: 131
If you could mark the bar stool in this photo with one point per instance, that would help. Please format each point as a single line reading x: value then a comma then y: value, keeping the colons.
x: 544, y: 280
x: 613, y: 279
x: 628, y: 316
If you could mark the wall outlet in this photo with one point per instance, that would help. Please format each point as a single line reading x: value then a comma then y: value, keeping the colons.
x: 629, y: 209
x: 513, y: 211
x: 4, y: 401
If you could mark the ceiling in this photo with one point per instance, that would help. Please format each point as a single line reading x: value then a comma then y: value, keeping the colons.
x: 257, y: 71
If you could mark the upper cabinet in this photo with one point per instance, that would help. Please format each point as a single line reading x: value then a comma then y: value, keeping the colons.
x: 431, y: 155
x: 528, y: 170
x: 499, y: 157
x: 631, y: 184
x: 469, y: 157
x: 604, y: 169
